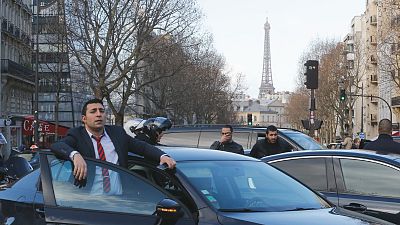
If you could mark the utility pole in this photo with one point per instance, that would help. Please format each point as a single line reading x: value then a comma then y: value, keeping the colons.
x: 362, y: 109
x: 36, y: 106
x: 1, y: 60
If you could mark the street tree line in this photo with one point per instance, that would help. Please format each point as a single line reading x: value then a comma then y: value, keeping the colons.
x: 336, y: 72
x: 133, y: 52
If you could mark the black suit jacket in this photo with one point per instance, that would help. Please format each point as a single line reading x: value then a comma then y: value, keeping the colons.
x: 384, y: 144
x: 78, y: 139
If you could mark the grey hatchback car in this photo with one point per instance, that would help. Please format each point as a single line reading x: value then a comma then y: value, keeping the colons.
x: 202, y: 136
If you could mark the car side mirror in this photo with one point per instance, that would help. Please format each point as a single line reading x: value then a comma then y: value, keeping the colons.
x: 168, y: 212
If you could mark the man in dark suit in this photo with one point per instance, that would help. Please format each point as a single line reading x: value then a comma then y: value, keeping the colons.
x: 384, y: 143
x: 108, y: 143
x: 226, y: 143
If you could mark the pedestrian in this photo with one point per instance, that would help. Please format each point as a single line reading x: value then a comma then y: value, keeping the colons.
x: 153, y: 129
x: 356, y: 143
x: 104, y: 142
x: 272, y: 144
x: 226, y: 143
x: 384, y: 143
x: 347, y: 142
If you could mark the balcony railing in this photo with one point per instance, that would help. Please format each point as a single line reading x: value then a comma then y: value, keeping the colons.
x: 15, y: 69
x: 395, y: 101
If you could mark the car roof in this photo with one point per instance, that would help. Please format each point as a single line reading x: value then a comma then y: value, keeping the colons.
x: 368, y: 154
x: 197, y: 154
x: 207, y: 127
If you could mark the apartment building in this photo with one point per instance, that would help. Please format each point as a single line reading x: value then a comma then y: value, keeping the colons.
x: 371, y: 50
x: 17, y: 81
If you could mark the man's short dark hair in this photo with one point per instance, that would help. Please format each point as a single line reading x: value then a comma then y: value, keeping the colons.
x: 385, y: 127
x: 271, y: 128
x: 228, y: 126
x: 91, y: 101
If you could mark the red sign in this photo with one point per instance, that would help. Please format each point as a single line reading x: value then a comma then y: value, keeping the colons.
x: 44, y: 127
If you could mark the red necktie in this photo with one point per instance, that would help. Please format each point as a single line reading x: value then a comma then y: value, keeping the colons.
x: 102, y: 156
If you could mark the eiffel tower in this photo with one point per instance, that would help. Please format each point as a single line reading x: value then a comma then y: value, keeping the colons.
x: 267, y: 86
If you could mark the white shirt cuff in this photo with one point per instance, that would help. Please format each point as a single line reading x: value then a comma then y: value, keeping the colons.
x: 71, y: 156
x: 163, y: 155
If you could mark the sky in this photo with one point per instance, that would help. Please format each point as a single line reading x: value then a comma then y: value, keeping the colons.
x: 237, y: 27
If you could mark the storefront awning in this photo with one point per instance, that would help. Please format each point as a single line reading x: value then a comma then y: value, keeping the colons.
x: 44, y: 127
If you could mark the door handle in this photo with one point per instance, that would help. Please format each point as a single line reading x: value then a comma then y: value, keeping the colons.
x: 355, y: 207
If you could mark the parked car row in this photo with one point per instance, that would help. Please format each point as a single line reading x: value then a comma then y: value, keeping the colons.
x: 207, y: 187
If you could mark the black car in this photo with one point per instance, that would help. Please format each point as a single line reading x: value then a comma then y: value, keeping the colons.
x: 208, y: 187
x: 202, y: 136
x: 360, y: 180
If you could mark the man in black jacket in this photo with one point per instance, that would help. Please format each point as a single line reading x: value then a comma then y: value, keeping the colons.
x: 108, y: 143
x: 270, y: 145
x: 384, y: 143
x: 226, y: 143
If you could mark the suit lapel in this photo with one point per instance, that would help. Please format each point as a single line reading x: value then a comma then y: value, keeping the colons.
x: 89, y: 143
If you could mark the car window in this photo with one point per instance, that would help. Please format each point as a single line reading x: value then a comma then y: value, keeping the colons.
x: 302, y: 168
x: 164, y: 181
x: 186, y: 139
x: 242, y: 138
x: 250, y: 185
x: 127, y: 193
x: 306, y: 142
x: 208, y: 137
x: 366, y: 178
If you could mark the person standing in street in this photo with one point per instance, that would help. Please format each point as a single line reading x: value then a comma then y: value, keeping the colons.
x: 270, y: 145
x: 385, y: 142
x: 104, y: 142
x: 226, y: 143
x: 347, y: 142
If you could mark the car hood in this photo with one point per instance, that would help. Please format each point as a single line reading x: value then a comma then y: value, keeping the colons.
x: 331, y: 216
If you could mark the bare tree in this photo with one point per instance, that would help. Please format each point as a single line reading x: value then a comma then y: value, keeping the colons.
x: 111, y: 40
x: 389, y: 40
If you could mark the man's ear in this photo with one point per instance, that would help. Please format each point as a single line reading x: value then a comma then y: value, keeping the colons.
x: 83, y: 118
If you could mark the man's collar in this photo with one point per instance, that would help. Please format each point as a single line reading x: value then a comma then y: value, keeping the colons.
x: 104, y: 133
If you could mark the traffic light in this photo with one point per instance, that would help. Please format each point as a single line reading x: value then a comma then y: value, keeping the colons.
x: 249, y: 119
x: 311, y: 74
x: 342, y: 96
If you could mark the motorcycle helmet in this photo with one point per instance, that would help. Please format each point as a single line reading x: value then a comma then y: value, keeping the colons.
x: 154, y: 126
x: 133, y: 126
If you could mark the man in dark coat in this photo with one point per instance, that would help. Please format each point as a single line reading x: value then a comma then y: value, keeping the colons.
x: 226, y: 143
x: 384, y: 143
x: 270, y: 145
x: 96, y: 140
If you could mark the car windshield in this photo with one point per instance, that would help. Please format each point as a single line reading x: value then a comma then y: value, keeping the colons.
x: 246, y: 186
x: 306, y: 142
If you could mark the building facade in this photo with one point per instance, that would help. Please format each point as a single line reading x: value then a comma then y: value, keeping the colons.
x: 372, y: 50
x: 17, y: 83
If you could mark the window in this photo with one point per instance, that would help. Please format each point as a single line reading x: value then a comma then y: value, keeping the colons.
x: 188, y: 139
x: 128, y: 193
x: 233, y: 185
x: 366, y: 178
x: 302, y: 168
x: 208, y: 137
